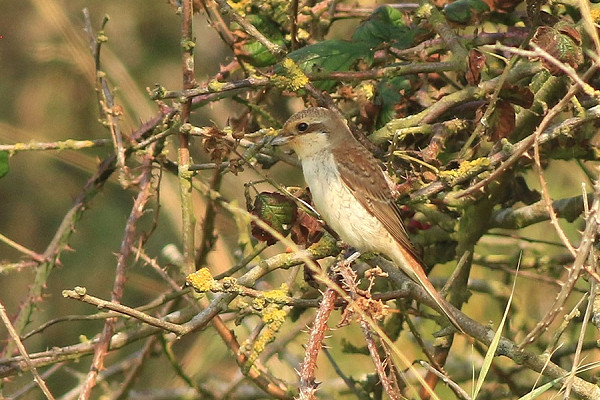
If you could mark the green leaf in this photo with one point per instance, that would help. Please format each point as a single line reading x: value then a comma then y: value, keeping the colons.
x: 3, y: 163
x: 462, y: 11
x: 389, y: 95
x: 251, y: 50
x: 386, y: 24
x: 278, y: 211
x: 331, y: 55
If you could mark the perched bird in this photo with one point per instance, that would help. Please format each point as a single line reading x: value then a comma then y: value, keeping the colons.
x: 351, y: 192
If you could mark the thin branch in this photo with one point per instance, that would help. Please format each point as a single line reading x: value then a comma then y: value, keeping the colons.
x: 250, y: 29
x: 15, y: 337
x: 583, y: 252
x: 80, y: 294
x: 69, y: 144
x: 183, y: 150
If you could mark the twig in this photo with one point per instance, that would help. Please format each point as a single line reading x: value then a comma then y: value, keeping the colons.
x: 80, y: 294
x: 584, y: 323
x: 30, y: 253
x: 510, y: 218
x: 217, y: 22
x: 15, y: 337
x: 257, y: 374
x: 250, y: 29
x: 388, y: 381
x: 583, y: 252
x: 546, y: 197
x: 440, y: 25
x: 70, y: 144
x: 108, y: 109
x: 482, y: 38
x: 294, y: 29
x: 460, y: 393
x: 258, y: 82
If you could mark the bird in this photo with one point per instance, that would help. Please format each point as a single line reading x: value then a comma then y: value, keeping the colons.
x: 352, y: 193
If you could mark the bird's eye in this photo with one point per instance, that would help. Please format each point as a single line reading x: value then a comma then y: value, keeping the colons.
x: 302, y: 126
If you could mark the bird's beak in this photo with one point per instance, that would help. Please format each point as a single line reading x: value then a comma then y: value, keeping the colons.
x: 280, y: 139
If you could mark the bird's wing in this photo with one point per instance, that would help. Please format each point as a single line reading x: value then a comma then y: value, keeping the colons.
x: 361, y: 173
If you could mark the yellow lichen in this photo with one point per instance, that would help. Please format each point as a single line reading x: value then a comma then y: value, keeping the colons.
x: 464, y: 168
x: 292, y: 78
x: 277, y: 295
x: 270, y: 132
x: 273, y: 317
x: 424, y: 11
x: 241, y: 6
x: 201, y: 280
x: 366, y: 89
x: 229, y: 284
x: 259, y: 304
x: 595, y: 12
x: 216, y: 86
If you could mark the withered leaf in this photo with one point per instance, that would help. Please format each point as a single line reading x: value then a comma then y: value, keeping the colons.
x: 518, y: 95
x: 502, y: 6
x: 501, y: 122
x: 306, y: 229
x: 216, y: 145
x: 560, y: 44
x: 475, y: 64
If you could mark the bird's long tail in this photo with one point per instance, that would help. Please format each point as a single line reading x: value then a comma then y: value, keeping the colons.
x: 413, y: 268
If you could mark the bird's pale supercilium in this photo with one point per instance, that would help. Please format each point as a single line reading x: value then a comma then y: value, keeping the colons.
x: 351, y: 192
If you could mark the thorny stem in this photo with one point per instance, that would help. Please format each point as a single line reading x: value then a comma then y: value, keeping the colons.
x: 308, y: 385
x: 137, y: 210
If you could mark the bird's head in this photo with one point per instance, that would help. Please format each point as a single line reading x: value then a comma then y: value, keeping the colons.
x: 312, y: 130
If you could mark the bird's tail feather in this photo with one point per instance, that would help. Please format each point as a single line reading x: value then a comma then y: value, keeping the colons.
x: 412, y: 267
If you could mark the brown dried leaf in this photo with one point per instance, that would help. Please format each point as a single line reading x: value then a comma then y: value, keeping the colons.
x: 215, y: 145
x: 502, y: 6
x: 306, y: 229
x: 475, y: 64
x: 518, y: 95
x: 502, y: 121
